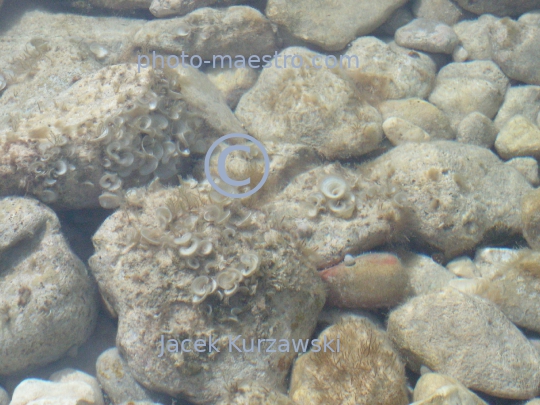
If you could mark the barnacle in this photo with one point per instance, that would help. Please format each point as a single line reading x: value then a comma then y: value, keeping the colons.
x: 201, y: 287
x: 333, y: 187
x: 110, y: 181
x: 343, y: 208
x: 110, y: 200
x: 164, y: 216
x: 190, y: 250
x: 251, y: 262
x: 151, y: 236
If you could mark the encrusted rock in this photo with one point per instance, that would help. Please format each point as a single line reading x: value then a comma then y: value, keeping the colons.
x: 477, y: 129
x: 440, y: 389
x: 164, y: 8
x: 399, y: 131
x: 387, y: 71
x: 371, y: 280
x: 330, y: 25
x: 445, y: 11
x: 518, y: 137
x: 188, y: 263
x: 365, y: 370
x: 530, y: 215
x: 468, y: 338
x: 233, y: 83
x: 116, y: 379
x: 114, y: 128
x: 438, y: 192
x: 463, y: 88
x: 420, y: 113
x: 311, y: 106
x: 474, y: 38
x: 428, y: 36
x: 67, y: 387
x: 520, y: 100
x: 514, y: 47
x: 499, y: 7
x: 206, y: 33
x: 528, y: 167
x: 488, y: 260
x: 48, y: 303
x: 425, y: 275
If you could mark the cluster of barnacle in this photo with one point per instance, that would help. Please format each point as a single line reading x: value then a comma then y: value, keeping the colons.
x: 334, y: 195
x: 198, y: 236
x: 50, y: 167
x: 151, y: 136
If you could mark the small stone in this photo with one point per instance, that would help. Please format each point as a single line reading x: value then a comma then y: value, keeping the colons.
x: 428, y: 36
x: 499, y: 7
x: 48, y: 303
x: 474, y: 36
x: 488, y: 260
x: 466, y: 337
x: 425, y: 275
x: 374, y: 371
x: 330, y: 25
x: 291, y: 105
x: 420, y: 113
x: 399, y: 131
x: 533, y: 402
x: 387, y: 71
x: 520, y: 100
x: 514, y: 47
x: 165, y: 8
x: 528, y: 167
x: 518, y: 137
x: 233, y: 83
x: 440, y: 389
x: 375, y: 280
x: 463, y: 267
x: 116, y: 380
x: 530, y: 216
x: 4, y: 398
x: 463, y: 88
x: 477, y: 129
x: 445, y: 11
x: 67, y: 387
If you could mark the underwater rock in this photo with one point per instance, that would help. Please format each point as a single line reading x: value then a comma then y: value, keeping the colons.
x: 330, y: 25
x: 425, y: 275
x: 477, y: 129
x: 528, y: 167
x: 428, y: 36
x: 4, y: 398
x: 233, y: 83
x: 488, y: 260
x: 518, y: 137
x: 499, y: 7
x: 515, y: 288
x: 371, y: 280
x: 48, y: 303
x: 514, y: 47
x: 530, y: 215
x: 474, y: 38
x: 399, y: 131
x: 188, y: 263
x: 164, y: 8
x: 463, y: 267
x: 463, y: 88
x: 116, y: 380
x: 209, y: 33
x: 420, y: 113
x: 365, y: 370
x: 445, y: 11
x: 67, y: 387
x: 535, y: 401
x: 114, y: 128
x: 520, y: 100
x: 387, y: 71
x: 440, y: 389
x: 291, y: 105
x: 468, y: 338
x: 445, y: 194
x: 254, y: 394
